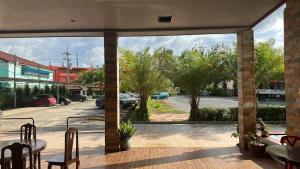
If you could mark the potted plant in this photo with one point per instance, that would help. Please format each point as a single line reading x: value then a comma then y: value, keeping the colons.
x: 254, y: 144
x: 126, y: 131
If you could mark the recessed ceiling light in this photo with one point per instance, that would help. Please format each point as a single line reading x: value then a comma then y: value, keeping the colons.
x: 165, y: 19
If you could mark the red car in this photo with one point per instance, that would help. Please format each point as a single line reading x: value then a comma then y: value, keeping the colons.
x: 42, y: 100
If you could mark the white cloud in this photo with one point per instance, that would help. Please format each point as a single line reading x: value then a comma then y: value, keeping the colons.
x: 95, y: 57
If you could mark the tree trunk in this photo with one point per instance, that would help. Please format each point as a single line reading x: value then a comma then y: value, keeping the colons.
x: 194, y: 106
x: 143, y: 114
x: 235, y: 87
x: 224, y: 85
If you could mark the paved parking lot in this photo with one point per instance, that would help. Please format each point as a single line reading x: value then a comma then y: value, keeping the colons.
x: 182, y: 102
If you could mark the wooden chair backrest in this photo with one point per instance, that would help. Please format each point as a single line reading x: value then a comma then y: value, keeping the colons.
x: 70, y: 135
x: 290, y: 140
x: 17, y: 159
x: 27, y: 132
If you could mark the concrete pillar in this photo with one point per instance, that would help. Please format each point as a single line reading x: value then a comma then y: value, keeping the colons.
x: 292, y: 65
x: 246, y: 85
x: 111, y: 89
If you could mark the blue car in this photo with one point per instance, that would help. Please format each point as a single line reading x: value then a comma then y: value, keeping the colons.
x: 160, y: 95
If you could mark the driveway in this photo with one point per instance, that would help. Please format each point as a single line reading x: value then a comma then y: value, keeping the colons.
x: 182, y: 102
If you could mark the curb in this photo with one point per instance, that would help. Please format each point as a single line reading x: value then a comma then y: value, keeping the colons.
x: 199, y: 122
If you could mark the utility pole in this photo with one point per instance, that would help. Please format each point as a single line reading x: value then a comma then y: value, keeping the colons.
x: 15, y: 85
x: 39, y: 78
x: 67, y: 59
x: 77, y: 59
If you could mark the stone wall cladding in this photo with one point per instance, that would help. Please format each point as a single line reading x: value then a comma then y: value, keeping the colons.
x: 246, y: 85
x: 292, y: 65
x: 111, y: 92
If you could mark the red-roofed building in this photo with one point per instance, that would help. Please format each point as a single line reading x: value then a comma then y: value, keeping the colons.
x: 60, y: 73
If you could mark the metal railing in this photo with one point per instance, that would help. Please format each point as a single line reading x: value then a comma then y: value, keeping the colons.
x: 83, y: 117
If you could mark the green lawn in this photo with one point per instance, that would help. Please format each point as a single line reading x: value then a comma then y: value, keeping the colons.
x: 160, y: 106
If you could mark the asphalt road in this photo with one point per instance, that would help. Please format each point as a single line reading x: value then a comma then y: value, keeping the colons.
x: 182, y: 102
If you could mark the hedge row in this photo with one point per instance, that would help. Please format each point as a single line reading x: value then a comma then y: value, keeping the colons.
x: 266, y: 113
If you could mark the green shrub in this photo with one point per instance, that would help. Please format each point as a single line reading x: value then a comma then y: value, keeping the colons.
x: 217, y: 91
x: 231, y: 114
x: 271, y: 113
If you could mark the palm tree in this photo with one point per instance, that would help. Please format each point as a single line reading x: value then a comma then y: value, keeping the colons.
x: 194, y: 71
x: 140, y: 72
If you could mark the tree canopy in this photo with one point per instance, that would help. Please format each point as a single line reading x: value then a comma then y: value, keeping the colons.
x: 269, y: 63
x: 195, y: 69
x: 95, y: 76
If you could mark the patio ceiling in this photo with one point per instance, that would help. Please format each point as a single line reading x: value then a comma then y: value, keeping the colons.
x: 129, y: 17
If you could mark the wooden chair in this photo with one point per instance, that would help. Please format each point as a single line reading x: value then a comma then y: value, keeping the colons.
x: 69, y: 157
x: 17, y: 159
x: 28, y: 133
x: 291, y: 141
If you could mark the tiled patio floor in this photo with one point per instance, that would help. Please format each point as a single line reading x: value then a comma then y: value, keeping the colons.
x: 198, y: 146
x: 173, y: 158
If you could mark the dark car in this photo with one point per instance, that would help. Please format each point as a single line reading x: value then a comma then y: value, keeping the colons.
x: 42, y: 100
x: 125, y: 101
x: 63, y: 100
x: 79, y: 97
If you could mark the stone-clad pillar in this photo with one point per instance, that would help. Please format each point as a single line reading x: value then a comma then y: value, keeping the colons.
x: 111, y: 75
x: 246, y: 85
x: 292, y: 65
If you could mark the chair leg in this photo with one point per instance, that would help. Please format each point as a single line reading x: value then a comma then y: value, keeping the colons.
x: 39, y: 161
x: 34, y: 161
x: 77, y: 164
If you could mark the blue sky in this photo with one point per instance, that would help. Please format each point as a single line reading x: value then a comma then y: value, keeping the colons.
x: 91, y: 51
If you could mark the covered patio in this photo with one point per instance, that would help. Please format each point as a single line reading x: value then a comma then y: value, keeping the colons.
x: 119, y: 18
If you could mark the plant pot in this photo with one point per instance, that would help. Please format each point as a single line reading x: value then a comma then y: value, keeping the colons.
x: 257, y: 149
x: 125, y: 144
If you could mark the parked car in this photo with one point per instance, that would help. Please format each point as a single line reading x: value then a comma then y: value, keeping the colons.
x: 42, y: 100
x: 133, y: 94
x: 125, y: 101
x: 79, y: 97
x: 205, y: 93
x: 63, y: 100
x: 160, y: 95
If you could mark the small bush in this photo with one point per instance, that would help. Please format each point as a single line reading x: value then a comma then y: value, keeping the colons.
x: 271, y: 113
x: 217, y: 91
x: 266, y: 113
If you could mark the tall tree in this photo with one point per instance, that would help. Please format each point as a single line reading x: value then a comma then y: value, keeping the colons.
x: 35, y: 91
x: 47, y: 90
x: 269, y: 62
x: 27, y: 91
x: 140, y: 72
x: 196, y: 69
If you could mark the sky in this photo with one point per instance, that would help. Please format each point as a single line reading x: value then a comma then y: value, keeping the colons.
x: 90, y: 51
